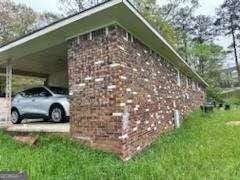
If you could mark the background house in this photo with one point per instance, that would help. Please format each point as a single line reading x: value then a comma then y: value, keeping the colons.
x: 229, y: 77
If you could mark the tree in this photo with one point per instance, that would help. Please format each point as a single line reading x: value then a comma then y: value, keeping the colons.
x: 69, y: 7
x: 17, y: 20
x: 180, y: 14
x: 183, y: 22
x: 208, y: 58
x: 203, y: 29
x: 152, y: 12
x: 171, y: 10
x: 228, y: 23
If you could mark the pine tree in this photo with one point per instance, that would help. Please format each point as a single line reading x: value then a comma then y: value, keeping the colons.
x: 228, y: 22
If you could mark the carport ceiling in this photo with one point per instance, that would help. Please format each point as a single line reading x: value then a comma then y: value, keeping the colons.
x: 45, y: 62
x: 122, y: 12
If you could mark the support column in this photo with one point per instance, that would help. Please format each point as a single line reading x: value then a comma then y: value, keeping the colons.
x: 8, y: 90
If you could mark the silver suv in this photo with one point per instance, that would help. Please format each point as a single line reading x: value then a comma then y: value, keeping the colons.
x: 49, y: 103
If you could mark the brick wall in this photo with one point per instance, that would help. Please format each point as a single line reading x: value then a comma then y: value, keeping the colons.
x: 122, y: 94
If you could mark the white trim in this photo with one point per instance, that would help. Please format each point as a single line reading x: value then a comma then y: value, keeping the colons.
x: 60, y: 24
x: 160, y: 37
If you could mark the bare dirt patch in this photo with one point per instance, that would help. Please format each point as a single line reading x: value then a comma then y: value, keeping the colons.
x: 233, y: 123
x: 26, y: 139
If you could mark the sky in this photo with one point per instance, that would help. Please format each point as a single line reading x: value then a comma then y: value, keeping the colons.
x: 207, y: 7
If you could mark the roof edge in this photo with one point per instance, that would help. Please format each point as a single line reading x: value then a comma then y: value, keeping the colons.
x: 58, y: 24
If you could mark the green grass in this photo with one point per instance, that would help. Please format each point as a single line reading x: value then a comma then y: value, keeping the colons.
x: 203, y: 148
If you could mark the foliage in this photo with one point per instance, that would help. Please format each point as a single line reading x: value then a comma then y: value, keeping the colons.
x: 69, y: 7
x: 18, y: 20
x: 204, y: 147
x: 214, y: 94
x: 228, y: 23
x: 152, y: 12
x: 234, y: 99
x: 176, y: 10
x: 207, y: 59
x: 180, y: 14
x: 203, y: 29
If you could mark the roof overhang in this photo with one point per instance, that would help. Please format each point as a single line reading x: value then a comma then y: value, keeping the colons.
x: 121, y: 12
x: 231, y: 90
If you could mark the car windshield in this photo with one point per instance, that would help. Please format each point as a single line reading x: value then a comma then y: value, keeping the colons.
x: 59, y: 90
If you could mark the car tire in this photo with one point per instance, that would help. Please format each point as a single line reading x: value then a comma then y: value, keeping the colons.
x: 15, y: 116
x: 57, y: 114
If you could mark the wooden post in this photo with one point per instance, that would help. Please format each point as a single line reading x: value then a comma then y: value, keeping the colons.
x: 8, y: 89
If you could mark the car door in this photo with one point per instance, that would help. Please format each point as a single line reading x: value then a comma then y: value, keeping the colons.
x: 41, y: 101
x: 25, y: 102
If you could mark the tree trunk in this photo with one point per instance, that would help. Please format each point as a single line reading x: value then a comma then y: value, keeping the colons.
x: 235, y: 54
x: 185, y: 43
x: 186, y: 48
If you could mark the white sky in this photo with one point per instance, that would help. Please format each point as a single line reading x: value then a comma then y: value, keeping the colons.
x: 207, y: 7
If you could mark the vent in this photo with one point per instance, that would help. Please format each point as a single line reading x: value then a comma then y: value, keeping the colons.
x: 99, y: 33
x: 84, y: 37
x: 176, y: 118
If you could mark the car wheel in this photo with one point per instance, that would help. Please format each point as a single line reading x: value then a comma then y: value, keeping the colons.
x: 15, y: 117
x: 57, y: 114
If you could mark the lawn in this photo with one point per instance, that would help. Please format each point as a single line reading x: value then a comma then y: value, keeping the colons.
x: 203, y: 148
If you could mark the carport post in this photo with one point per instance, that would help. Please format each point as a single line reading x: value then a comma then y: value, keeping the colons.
x: 8, y: 89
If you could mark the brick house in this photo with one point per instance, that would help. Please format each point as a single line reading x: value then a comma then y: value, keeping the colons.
x: 127, y: 84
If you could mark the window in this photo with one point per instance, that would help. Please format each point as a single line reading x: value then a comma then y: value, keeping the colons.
x: 59, y: 90
x: 36, y: 92
x: 28, y: 93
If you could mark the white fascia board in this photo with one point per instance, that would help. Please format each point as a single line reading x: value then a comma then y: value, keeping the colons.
x: 60, y: 24
x: 130, y: 6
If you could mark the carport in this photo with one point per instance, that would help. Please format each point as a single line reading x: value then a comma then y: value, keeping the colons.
x: 43, y: 53
x: 49, y: 64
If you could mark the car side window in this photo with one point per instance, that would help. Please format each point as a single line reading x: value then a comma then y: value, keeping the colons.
x: 36, y: 92
x: 41, y: 92
x: 27, y: 93
x: 44, y: 93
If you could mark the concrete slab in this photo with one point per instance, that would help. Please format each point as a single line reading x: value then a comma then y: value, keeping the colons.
x: 37, y: 126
